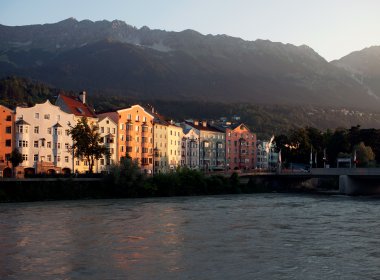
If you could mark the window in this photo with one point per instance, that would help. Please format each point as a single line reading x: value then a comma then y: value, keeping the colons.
x: 35, y: 144
x: 129, y: 117
x: 129, y: 138
x: 49, y: 130
x: 113, y: 130
x: 20, y: 129
x: 121, y: 148
x: 137, y: 149
x: 58, y: 158
x: 67, y: 146
x: 102, y: 129
x: 23, y: 143
x: 129, y: 149
x: 58, y: 145
x: 144, y: 119
x: 49, y: 158
x: 48, y: 144
x: 137, y: 118
x: 35, y: 157
x: 122, y: 126
x: 144, y: 128
x: 47, y: 116
x: 137, y: 128
x: 24, y: 157
x: 67, y: 132
x: 8, y: 130
x: 8, y: 118
x: 102, y: 161
x: 66, y: 159
x: 36, y: 129
x: 8, y: 143
x: 144, y: 150
x: 129, y: 127
x: 36, y: 115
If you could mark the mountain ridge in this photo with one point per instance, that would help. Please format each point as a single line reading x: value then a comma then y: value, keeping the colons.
x: 117, y: 58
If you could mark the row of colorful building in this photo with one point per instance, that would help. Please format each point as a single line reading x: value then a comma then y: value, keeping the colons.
x: 159, y: 144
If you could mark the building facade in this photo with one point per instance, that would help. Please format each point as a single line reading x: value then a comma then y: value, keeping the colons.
x: 42, y: 137
x: 135, y: 129
x: 211, y: 146
x: 108, y: 132
x: 190, y: 148
x: 160, y: 151
x: 7, y: 140
x: 174, y: 137
x: 77, y: 105
x: 240, y: 148
x: 267, y: 157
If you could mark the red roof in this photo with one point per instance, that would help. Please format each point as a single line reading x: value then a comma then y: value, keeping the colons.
x: 76, y: 106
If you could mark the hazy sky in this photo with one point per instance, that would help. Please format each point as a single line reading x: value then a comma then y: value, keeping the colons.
x: 333, y: 28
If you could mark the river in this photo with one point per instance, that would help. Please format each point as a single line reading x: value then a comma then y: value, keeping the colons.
x: 261, y: 236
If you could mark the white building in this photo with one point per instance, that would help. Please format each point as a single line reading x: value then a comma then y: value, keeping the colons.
x: 108, y: 132
x: 190, y: 148
x: 43, y: 140
x: 267, y: 157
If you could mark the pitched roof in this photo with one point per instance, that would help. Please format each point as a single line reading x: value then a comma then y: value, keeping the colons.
x: 77, y: 107
x: 204, y: 128
x: 21, y: 121
x: 114, y: 116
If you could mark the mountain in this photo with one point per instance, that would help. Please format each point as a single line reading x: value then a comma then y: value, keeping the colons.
x: 115, y: 58
x: 364, y: 67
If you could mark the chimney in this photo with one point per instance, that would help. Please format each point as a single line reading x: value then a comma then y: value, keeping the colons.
x: 82, y: 97
x: 204, y: 123
x: 196, y: 122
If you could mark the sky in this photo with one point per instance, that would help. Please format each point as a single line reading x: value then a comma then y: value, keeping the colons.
x: 333, y: 28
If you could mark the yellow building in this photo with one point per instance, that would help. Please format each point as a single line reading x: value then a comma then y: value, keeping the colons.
x: 174, y: 135
x: 161, y: 162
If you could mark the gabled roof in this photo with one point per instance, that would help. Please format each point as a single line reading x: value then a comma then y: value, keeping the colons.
x: 77, y: 107
x: 114, y: 116
x: 137, y: 105
x: 6, y: 108
x: 204, y: 128
x: 21, y: 121
x: 235, y: 126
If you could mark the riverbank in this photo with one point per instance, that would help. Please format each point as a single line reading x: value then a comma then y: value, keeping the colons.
x: 181, y: 183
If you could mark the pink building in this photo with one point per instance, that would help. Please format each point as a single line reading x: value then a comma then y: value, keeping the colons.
x: 240, y: 147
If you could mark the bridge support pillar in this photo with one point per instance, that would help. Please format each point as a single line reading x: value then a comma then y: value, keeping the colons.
x: 346, y: 186
x: 355, y: 185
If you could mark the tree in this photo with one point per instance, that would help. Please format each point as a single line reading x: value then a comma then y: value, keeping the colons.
x: 87, y: 142
x: 364, y: 154
x: 16, y: 159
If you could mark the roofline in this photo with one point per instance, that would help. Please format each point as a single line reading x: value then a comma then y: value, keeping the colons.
x: 129, y: 108
x: 106, y: 117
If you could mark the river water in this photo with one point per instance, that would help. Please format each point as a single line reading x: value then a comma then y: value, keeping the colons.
x: 261, y: 236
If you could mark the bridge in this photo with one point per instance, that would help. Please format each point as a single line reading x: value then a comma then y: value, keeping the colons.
x: 352, y: 181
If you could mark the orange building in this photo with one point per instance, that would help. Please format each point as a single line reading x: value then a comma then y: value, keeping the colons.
x: 6, y: 140
x: 135, y: 130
